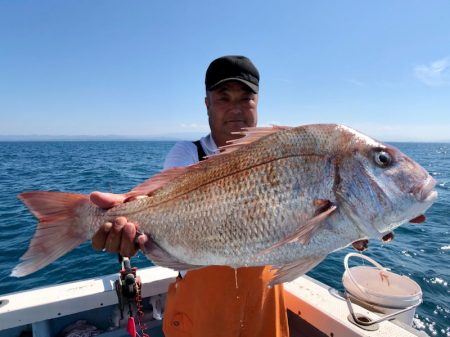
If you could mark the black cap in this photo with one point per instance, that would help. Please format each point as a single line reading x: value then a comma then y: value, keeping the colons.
x: 232, y: 68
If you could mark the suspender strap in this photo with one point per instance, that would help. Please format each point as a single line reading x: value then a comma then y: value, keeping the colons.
x: 201, y: 156
x: 201, y: 153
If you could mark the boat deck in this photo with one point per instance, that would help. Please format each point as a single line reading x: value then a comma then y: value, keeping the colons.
x: 314, y: 309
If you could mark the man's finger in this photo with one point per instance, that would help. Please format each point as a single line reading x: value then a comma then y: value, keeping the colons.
x: 114, y: 238
x: 99, y: 238
x: 127, y: 245
x: 106, y: 200
x: 145, y: 243
x: 361, y: 245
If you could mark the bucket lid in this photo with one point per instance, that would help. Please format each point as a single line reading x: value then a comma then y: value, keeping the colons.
x: 381, y: 287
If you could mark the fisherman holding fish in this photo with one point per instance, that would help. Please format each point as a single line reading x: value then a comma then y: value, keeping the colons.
x: 216, y: 300
x: 280, y: 196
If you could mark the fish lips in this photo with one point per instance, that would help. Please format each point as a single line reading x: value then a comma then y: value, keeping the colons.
x: 425, y: 194
x: 425, y: 191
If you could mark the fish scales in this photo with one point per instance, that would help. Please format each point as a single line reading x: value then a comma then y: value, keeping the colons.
x: 258, y: 206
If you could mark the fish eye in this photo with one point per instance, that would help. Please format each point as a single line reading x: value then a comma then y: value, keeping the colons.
x: 382, y: 158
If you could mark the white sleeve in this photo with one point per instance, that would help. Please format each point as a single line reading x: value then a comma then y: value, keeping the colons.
x: 182, y: 154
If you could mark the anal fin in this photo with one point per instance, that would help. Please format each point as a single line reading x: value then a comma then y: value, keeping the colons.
x: 295, y: 269
x: 161, y: 257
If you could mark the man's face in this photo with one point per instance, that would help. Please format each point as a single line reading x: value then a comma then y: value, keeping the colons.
x: 231, y: 106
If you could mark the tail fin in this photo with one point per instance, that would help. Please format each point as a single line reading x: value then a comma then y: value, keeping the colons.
x: 57, y: 232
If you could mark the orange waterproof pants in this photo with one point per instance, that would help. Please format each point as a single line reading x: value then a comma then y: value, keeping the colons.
x: 220, y: 301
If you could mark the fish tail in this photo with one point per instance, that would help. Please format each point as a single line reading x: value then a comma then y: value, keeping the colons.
x: 59, y: 229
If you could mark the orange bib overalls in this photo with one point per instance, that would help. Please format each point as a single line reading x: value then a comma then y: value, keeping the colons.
x: 219, y: 301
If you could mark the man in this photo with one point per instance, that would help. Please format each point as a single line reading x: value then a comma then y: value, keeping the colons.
x: 216, y: 300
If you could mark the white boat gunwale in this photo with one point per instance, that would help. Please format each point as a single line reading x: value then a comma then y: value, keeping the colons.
x: 308, y: 301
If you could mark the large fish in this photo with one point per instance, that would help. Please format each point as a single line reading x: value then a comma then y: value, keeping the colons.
x: 279, y: 196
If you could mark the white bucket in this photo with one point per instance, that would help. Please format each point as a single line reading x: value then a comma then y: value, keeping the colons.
x: 378, y: 289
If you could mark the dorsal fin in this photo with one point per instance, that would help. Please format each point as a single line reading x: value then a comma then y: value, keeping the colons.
x: 155, y: 182
x: 250, y: 135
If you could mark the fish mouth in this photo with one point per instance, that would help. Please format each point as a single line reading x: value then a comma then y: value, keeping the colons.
x: 425, y: 192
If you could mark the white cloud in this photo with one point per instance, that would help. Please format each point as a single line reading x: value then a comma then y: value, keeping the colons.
x: 434, y: 74
x: 270, y: 123
x: 405, y: 132
x: 356, y: 82
x: 195, y: 126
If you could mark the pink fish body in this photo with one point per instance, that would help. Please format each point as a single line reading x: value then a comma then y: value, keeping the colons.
x: 279, y: 196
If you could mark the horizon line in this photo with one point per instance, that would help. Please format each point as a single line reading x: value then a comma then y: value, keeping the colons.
x: 165, y: 137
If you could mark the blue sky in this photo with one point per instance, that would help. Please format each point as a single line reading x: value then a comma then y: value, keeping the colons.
x: 137, y: 67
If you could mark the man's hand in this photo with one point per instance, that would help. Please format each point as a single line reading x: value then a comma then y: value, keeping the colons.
x: 118, y: 236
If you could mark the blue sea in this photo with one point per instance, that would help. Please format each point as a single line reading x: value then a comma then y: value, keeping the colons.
x: 421, y: 252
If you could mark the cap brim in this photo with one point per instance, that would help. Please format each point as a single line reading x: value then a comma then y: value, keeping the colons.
x: 252, y: 86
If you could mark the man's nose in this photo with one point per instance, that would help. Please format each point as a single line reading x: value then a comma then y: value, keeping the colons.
x: 236, y: 108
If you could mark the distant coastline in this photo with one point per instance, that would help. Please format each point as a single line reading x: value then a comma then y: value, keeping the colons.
x: 46, y: 138
x: 165, y: 137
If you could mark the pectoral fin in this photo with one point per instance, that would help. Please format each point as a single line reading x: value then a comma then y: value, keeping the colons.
x: 304, y: 233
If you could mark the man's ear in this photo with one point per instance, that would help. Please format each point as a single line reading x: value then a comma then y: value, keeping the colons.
x: 207, y: 103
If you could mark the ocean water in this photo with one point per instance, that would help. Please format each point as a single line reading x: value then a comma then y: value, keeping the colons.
x: 421, y: 252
